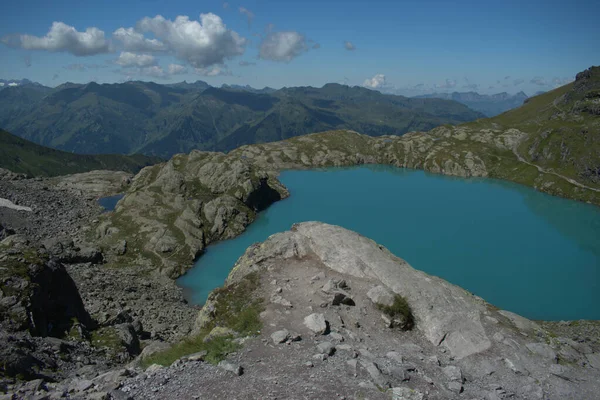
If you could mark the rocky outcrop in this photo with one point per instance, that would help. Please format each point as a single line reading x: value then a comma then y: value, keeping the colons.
x: 460, y: 348
x: 174, y: 210
x: 446, y: 314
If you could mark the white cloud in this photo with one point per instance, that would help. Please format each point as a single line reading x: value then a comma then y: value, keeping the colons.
x: 135, y: 41
x: 557, y: 82
x: 128, y: 59
x: 375, y: 82
x: 282, y: 46
x: 1, y: 84
x: 62, y: 37
x: 349, y: 46
x: 13, y: 84
x: 249, y: 14
x: 153, y: 71
x: 176, y: 69
x: 217, y: 70
x: 539, y: 81
x: 201, y: 43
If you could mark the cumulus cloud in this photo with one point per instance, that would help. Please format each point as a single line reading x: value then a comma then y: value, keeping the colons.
x: 449, y: 84
x: 349, y: 46
x: 249, y: 14
x: 176, y: 69
x: 135, y: 41
x: 216, y: 70
x: 282, y: 46
x: 62, y: 38
x: 201, y: 43
x: 375, y: 82
x: 153, y: 71
x: 517, y: 82
x: 127, y: 59
x: 246, y: 63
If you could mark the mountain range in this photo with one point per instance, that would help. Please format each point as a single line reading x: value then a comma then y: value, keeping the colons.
x: 490, y: 105
x: 162, y: 120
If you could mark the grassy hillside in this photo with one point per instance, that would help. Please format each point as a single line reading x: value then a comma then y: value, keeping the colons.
x: 22, y: 156
x: 144, y: 117
x: 562, y: 127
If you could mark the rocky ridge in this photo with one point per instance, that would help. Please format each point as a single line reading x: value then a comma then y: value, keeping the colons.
x: 312, y: 346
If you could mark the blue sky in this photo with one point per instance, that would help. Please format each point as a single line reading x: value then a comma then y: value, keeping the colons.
x: 408, y: 47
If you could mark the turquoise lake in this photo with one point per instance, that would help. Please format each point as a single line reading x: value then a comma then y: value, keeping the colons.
x: 521, y: 250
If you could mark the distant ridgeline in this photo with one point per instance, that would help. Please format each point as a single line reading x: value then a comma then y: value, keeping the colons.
x: 21, y: 156
x: 490, y: 105
x: 162, y: 120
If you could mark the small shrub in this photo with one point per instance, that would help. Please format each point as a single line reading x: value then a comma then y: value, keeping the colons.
x: 399, y: 310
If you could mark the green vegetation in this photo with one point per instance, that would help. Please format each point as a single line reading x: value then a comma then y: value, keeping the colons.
x: 235, y: 307
x: 563, y: 128
x: 107, y: 338
x: 399, y: 309
x: 21, y: 156
x: 163, y: 120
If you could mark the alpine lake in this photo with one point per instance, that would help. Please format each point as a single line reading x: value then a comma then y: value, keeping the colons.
x: 519, y: 249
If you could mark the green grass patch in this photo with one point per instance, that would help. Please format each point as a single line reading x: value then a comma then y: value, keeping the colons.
x: 236, y: 308
x: 107, y: 338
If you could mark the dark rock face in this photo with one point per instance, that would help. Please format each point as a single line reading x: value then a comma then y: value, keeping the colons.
x: 263, y: 196
x: 55, y: 304
x: 40, y: 305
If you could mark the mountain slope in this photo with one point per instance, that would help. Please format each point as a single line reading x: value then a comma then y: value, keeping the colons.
x: 562, y: 126
x: 22, y: 156
x: 490, y: 105
x: 167, y: 119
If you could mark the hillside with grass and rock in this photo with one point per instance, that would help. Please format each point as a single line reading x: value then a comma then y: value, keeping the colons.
x: 23, y: 157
